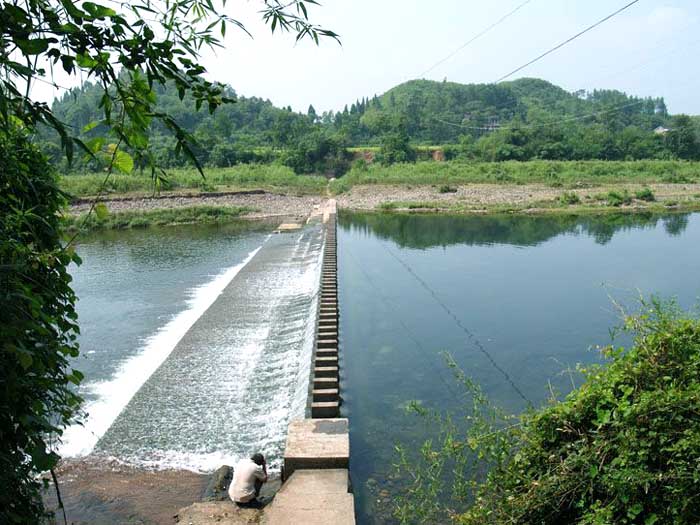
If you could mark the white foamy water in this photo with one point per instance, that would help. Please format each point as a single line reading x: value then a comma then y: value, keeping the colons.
x: 239, y: 374
x: 113, y: 395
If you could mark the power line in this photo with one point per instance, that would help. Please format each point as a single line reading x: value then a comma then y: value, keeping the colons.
x: 599, y: 22
x: 550, y: 123
x: 475, y: 341
x: 475, y: 37
x: 407, y: 330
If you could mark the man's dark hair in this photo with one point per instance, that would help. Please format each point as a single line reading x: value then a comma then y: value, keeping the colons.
x: 258, y: 459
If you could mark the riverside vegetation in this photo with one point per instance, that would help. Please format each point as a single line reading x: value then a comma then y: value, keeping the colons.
x: 622, y: 447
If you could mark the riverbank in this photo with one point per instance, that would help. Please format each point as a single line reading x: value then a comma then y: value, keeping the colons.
x: 96, y: 491
x: 122, y: 212
x: 521, y: 198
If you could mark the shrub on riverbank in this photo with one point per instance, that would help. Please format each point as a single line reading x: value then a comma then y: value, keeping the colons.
x: 242, y: 177
x: 552, y: 173
x: 100, y: 219
x: 621, y: 448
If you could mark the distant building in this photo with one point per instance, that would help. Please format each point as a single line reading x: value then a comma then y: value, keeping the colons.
x: 661, y: 130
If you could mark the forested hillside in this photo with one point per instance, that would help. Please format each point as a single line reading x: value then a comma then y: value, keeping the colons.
x: 520, y: 120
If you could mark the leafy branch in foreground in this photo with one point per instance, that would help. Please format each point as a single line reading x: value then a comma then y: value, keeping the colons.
x: 126, y: 50
x: 624, y: 447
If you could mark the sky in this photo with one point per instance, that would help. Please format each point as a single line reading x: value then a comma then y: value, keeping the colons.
x: 647, y: 50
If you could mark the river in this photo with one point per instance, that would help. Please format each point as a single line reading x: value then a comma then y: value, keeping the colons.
x: 195, y: 339
x: 517, y: 301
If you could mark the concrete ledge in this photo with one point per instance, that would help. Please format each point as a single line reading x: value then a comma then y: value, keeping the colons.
x: 313, y: 497
x: 316, y: 444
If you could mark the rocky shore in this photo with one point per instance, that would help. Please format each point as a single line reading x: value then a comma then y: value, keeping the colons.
x: 491, y: 197
x: 264, y: 204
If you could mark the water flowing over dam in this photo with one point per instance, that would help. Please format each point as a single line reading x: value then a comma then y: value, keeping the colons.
x: 235, y: 378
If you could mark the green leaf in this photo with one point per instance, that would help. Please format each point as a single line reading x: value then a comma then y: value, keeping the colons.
x: 123, y: 162
x: 35, y: 46
x: 98, y: 11
x: 25, y: 359
x: 101, y: 211
x: 92, y: 125
x: 84, y: 60
x: 95, y: 145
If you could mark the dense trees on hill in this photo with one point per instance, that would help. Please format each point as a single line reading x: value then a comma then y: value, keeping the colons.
x: 520, y: 120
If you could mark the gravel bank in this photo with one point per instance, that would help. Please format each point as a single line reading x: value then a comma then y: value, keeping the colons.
x: 265, y: 204
x: 483, y: 196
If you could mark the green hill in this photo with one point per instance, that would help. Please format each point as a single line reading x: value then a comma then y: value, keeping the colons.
x: 525, y: 119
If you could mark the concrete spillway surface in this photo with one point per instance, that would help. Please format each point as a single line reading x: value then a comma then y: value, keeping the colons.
x: 234, y: 380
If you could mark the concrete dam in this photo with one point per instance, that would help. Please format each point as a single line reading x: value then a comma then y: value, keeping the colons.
x: 252, y: 366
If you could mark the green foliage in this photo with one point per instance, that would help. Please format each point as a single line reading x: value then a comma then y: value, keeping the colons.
x: 645, y: 194
x: 395, y: 148
x: 527, y: 119
x: 242, y: 177
x: 569, y: 197
x: 621, y: 448
x: 446, y: 188
x: 127, y: 52
x: 619, y: 198
x: 546, y: 172
x: 160, y: 217
x: 317, y: 152
x: 38, y: 319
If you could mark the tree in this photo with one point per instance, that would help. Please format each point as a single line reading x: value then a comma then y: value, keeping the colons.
x: 682, y: 140
x: 129, y: 53
x: 311, y: 112
x: 38, y: 319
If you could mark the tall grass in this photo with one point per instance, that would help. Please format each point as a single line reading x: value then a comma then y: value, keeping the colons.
x: 242, y: 177
x: 553, y: 173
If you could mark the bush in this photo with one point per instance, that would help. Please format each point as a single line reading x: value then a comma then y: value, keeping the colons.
x: 622, y: 448
x: 569, y: 197
x: 618, y: 198
x: 445, y: 188
x: 645, y: 194
x: 39, y: 330
x: 395, y: 148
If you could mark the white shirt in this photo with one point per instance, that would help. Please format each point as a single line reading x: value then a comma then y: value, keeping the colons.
x: 245, y: 473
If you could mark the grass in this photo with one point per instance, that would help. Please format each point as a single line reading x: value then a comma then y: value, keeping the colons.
x: 243, y: 177
x: 103, y: 220
x: 571, y: 174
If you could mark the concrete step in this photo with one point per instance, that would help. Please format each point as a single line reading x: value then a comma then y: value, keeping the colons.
x: 325, y: 394
x: 325, y: 409
x: 326, y: 361
x: 327, y: 352
x: 326, y: 371
x: 325, y: 383
x: 327, y: 343
x: 316, y: 481
x: 316, y: 444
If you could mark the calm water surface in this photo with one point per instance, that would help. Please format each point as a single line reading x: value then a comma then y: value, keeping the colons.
x: 533, y: 296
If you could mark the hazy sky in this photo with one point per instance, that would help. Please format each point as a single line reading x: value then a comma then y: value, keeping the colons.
x: 648, y: 50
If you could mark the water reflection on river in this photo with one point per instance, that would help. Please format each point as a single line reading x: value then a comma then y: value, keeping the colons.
x: 533, y: 295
